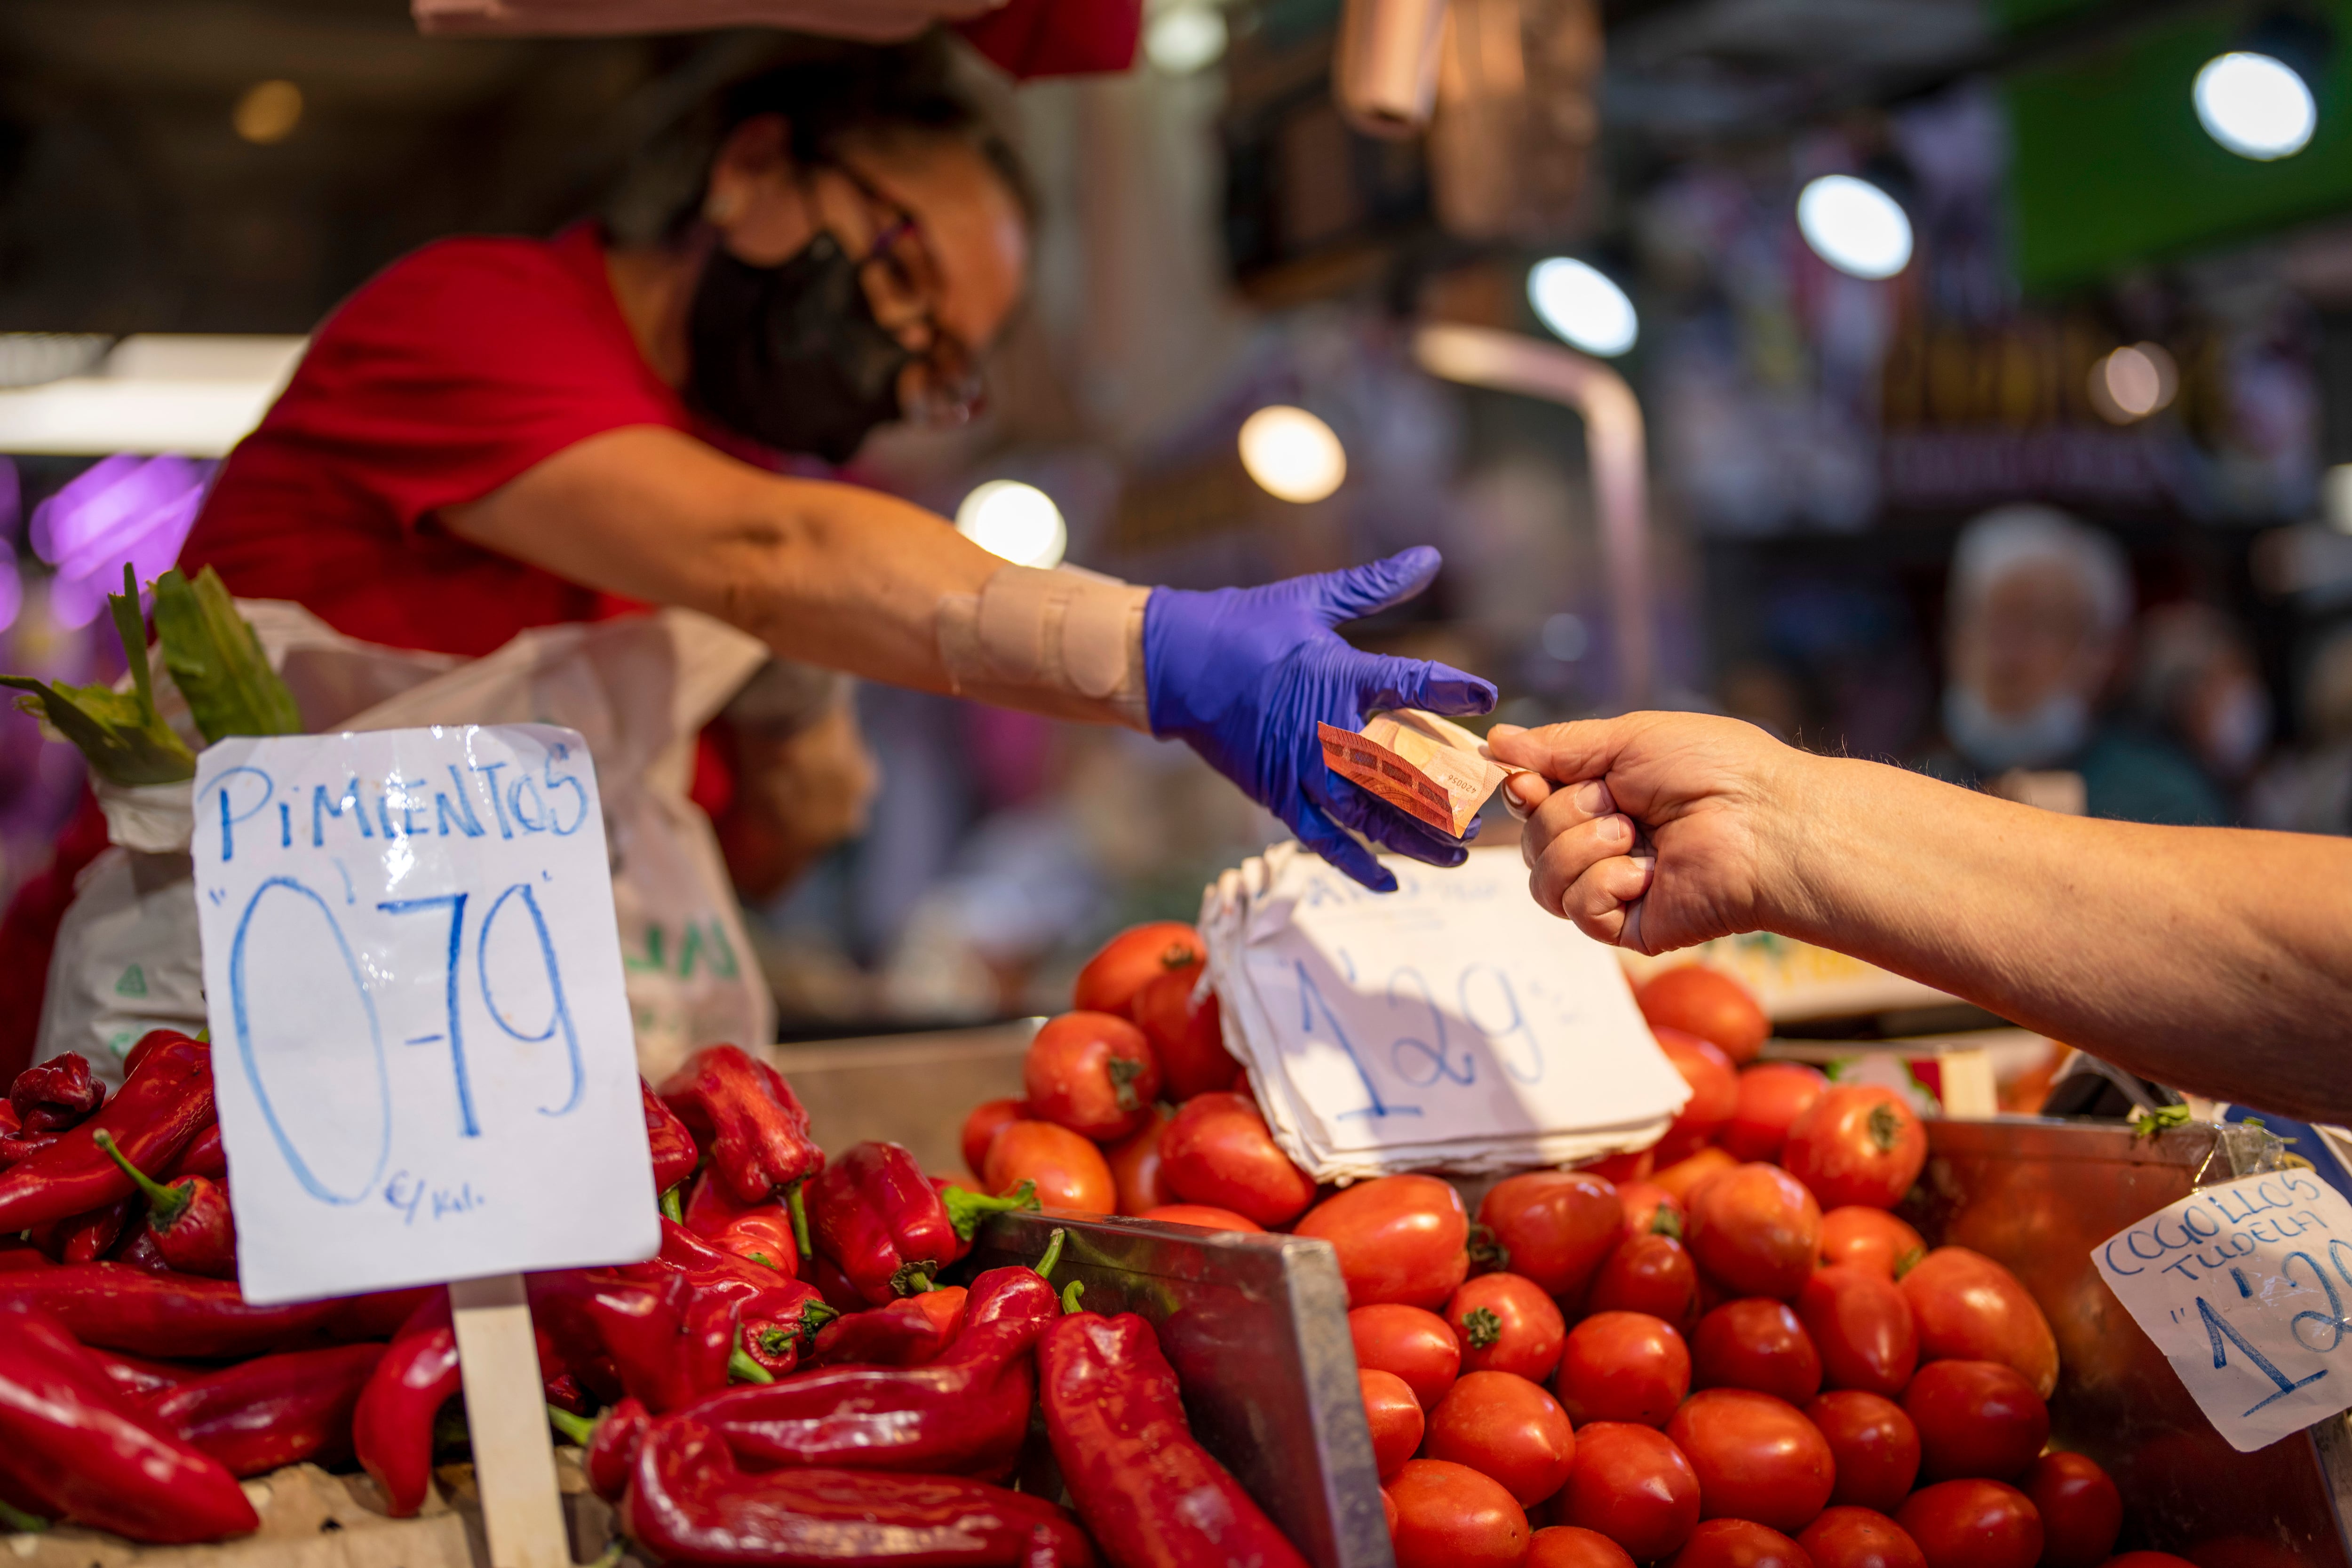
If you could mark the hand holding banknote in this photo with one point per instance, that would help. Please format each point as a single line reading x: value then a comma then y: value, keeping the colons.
x: 1245, y: 675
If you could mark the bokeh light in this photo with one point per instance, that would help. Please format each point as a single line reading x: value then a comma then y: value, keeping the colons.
x: 1583, y: 305
x: 1854, y: 226
x: 1185, y: 38
x: 2256, y: 106
x: 1017, y: 521
x: 268, y: 111
x: 1292, y: 454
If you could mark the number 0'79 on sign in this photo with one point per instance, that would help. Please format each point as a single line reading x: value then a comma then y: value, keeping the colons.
x: 413, y: 981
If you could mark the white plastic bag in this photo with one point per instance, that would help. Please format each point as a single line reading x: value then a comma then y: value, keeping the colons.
x: 639, y: 689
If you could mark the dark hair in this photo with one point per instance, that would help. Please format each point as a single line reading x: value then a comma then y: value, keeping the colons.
x: 828, y: 94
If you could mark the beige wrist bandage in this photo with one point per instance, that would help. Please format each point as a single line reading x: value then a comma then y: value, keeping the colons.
x: 1064, y: 643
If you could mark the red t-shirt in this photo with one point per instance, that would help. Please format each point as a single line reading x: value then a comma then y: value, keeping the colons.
x: 447, y: 374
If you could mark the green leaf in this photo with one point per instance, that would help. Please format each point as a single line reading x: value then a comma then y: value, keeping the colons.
x: 124, y: 738
x: 216, y: 659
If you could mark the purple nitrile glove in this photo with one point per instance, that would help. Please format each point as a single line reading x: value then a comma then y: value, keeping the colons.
x: 1242, y: 676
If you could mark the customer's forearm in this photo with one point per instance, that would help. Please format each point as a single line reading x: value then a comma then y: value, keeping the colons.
x: 2216, y: 960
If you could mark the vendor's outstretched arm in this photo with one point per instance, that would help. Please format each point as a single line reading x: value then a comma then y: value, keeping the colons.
x: 854, y: 580
x: 2214, y: 959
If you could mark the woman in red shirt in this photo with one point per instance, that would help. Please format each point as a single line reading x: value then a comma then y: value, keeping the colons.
x: 495, y: 434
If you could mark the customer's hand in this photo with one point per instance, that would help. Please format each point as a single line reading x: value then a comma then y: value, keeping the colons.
x: 1712, y: 799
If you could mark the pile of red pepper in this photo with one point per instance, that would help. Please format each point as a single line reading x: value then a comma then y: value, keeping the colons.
x: 786, y: 1380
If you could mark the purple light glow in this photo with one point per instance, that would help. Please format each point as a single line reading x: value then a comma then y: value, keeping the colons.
x: 124, y: 507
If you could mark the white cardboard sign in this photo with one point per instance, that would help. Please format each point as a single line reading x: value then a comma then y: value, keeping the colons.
x: 421, y: 1048
x: 2245, y: 1287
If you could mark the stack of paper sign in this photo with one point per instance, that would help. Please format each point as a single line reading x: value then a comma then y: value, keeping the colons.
x: 1449, y: 1025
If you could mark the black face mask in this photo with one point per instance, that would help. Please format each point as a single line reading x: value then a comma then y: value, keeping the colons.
x: 790, y: 355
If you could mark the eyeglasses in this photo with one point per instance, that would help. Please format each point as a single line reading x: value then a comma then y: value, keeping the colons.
x: 904, y: 282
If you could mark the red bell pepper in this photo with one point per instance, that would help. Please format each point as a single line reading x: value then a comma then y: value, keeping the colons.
x: 964, y: 1414
x: 272, y: 1411
x: 611, y: 1451
x: 9, y: 1120
x: 688, y: 1502
x: 16, y: 1148
x: 761, y: 1232
x: 179, y: 1315
x: 136, y: 1377
x: 657, y: 1340
x: 392, y: 1421
x: 746, y: 1117
x: 191, y: 1220
x: 164, y: 1104
x: 138, y: 1250
x: 78, y: 1447
x: 877, y: 1216
x: 1152, y: 1496
x: 911, y: 1331
x: 205, y: 1155
x: 55, y: 1095
x: 671, y: 1145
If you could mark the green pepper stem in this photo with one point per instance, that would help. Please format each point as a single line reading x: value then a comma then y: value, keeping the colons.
x: 165, y: 1205
x: 741, y: 1368
x: 573, y: 1429
x: 799, y: 1207
x: 672, y: 1208
x: 965, y: 1206
x: 19, y: 1521
x: 1045, y: 1265
x: 1070, y: 1294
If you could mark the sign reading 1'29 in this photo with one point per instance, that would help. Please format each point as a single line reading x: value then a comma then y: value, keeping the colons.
x: 422, y: 1048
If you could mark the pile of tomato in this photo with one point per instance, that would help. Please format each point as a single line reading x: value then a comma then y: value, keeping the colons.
x: 1721, y: 1351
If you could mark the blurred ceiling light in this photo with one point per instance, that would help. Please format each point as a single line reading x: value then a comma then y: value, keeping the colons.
x: 2133, y: 382
x: 1184, y: 39
x: 1017, y: 521
x: 1854, y: 226
x: 1292, y: 455
x: 268, y: 111
x: 2256, y: 106
x: 1581, y: 304
x: 194, y: 395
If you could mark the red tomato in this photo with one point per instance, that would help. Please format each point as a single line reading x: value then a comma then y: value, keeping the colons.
x: 1715, y: 1093
x: 1755, y: 1342
x: 1389, y: 1512
x: 2081, y: 1511
x: 981, y: 1125
x: 1415, y: 1344
x: 1685, y: 1178
x: 1875, y: 1444
x: 1858, y: 1144
x: 1970, y: 1307
x: 1506, y: 1323
x: 1871, y: 1238
x: 1203, y: 1216
x: 1566, y: 1546
x: 1757, y: 1457
x: 1069, y: 1171
x: 1450, y: 1516
x: 1738, y: 1544
x: 1554, y: 1227
x: 1862, y: 1327
x: 1395, y: 1418
x: 1091, y: 1073
x: 1186, y: 1034
x: 1708, y: 1004
x: 1972, y: 1524
x: 1218, y: 1151
x: 1622, y: 1366
x: 1772, y: 1095
x: 1399, y: 1239
x: 1135, y: 1166
x: 1632, y: 1485
x: 1649, y: 1274
x: 1649, y: 1207
x: 1623, y: 1168
x: 1500, y: 1425
x: 1859, y: 1538
x: 1130, y: 960
x: 1754, y: 1230
x: 1974, y: 1418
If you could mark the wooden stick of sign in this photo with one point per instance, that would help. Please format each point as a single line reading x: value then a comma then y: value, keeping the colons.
x: 505, y: 1407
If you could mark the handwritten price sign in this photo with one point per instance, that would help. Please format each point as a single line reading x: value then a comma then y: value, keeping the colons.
x: 2245, y: 1289
x: 422, y: 1050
